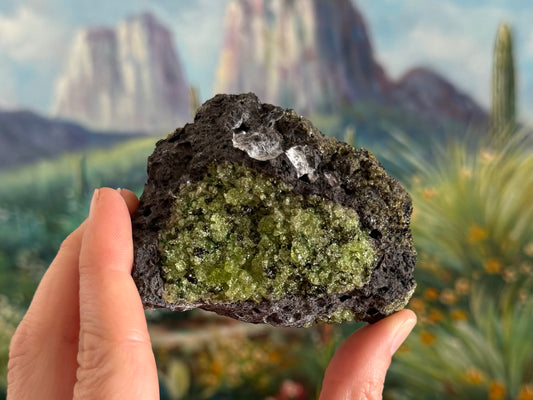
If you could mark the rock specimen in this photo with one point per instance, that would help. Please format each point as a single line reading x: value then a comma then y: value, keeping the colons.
x: 252, y: 213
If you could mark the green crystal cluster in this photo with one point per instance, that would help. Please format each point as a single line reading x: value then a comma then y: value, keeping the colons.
x: 239, y: 235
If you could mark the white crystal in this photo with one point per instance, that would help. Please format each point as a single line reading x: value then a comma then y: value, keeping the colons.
x: 262, y: 146
x: 331, y: 179
x: 243, y: 118
x: 303, y: 161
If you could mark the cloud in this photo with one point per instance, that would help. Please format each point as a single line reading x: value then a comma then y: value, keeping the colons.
x: 27, y: 36
x: 7, y: 88
x: 529, y: 44
x: 460, y: 59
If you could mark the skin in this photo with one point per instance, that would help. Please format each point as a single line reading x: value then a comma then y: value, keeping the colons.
x: 85, y: 336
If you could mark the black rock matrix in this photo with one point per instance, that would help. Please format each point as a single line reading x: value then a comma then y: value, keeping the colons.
x: 252, y: 213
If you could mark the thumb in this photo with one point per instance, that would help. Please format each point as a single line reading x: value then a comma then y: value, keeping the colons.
x: 358, y: 368
x: 115, y: 356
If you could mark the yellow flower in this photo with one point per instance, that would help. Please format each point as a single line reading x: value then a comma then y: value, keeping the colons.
x: 492, y: 266
x: 435, y: 316
x: 448, y: 296
x: 459, y: 315
x: 216, y: 368
x: 509, y: 274
x: 474, y: 376
x: 487, y: 155
x: 525, y: 268
x: 476, y: 234
x: 466, y: 172
x: 496, y: 390
x: 429, y: 193
x: 462, y: 286
x: 404, y: 348
x: 526, y: 393
x: 274, y: 357
x: 427, y: 337
x: 431, y: 293
x: 417, y: 305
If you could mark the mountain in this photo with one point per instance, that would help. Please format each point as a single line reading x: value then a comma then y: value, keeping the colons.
x: 26, y: 137
x: 127, y: 79
x: 423, y: 91
x: 308, y: 55
x: 317, y: 56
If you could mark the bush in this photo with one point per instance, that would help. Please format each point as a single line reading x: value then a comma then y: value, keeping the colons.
x: 473, y: 230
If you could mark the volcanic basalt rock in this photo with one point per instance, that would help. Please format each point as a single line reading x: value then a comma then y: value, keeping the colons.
x: 252, y: 213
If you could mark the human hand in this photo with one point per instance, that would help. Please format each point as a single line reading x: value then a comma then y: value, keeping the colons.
x: 84, y: 335
x: 358, y: 368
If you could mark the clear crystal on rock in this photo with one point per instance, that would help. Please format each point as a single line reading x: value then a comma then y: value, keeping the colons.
x: 304, y: 161
x: 331, y: 179
x: 262, y: 146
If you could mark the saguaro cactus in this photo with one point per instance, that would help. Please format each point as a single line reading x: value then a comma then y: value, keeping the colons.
x: 81, y: 182
x: 503, y: 112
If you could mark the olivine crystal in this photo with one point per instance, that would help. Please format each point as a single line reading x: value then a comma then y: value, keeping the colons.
x: 238, y: 235
x: 252, y: 213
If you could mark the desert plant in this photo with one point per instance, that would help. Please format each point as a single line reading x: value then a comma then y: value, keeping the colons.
x: 489, y: 354
x: 473, y: 212
x: 503, y: 97
x: 40, y: 204
x: 472, y: 229
x: 81, y: 183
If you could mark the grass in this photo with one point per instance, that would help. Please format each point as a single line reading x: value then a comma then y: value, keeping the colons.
x: 473, y: 232
x: 40, y: 204
x: 53, y: 181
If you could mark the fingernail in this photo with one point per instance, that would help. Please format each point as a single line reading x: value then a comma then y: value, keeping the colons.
x: 401, y: 334
x: 119, y: 190
x: 93, y: 201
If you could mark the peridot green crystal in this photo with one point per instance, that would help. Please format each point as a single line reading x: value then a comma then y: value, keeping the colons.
x: 240, y: 235
x: 341, y: 315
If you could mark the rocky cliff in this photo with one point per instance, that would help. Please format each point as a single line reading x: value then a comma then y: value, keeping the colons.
x: 316, y: 55
x: 129, y: 79
x: 307, y: 55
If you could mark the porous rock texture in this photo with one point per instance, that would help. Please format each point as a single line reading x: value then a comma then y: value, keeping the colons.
x: 279, y: 143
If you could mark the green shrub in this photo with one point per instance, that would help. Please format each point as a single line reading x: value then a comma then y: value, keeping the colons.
x: 473, y: 230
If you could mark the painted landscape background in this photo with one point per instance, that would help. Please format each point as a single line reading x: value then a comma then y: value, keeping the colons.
x: 441, y: 92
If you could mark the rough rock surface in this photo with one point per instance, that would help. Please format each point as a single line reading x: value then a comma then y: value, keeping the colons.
x: 288, y: 147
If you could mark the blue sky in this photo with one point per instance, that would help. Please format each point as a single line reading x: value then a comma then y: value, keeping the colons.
x: 454, y: 37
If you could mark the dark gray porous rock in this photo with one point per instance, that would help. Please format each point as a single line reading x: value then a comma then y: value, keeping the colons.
x: 279, y: 143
